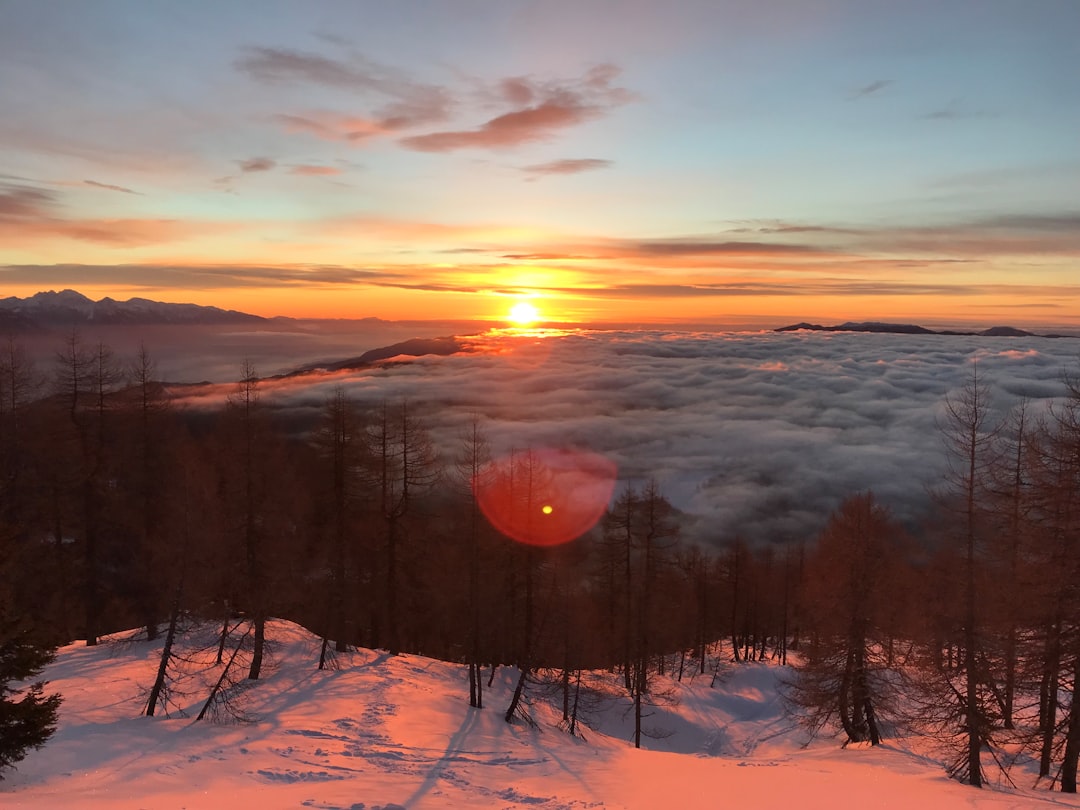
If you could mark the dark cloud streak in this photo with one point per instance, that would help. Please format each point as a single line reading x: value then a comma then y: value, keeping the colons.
x: 110, y: 187
x: 256, y: 164
x: 567, y: 166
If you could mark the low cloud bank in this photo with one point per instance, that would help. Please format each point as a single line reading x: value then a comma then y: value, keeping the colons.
x: 752, y: 434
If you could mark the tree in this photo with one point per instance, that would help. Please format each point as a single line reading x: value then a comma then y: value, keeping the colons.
x: 639, y: 532
x: 405, y: 465
x: 86, y: 380
x: 339, y: 442
x: 527, y: 483
x: 970, y: 435
x: 472, y: 471
x: 27, y: 715
x: 145, y: 474
x: 1052, y: 586
x: 845, y: 676
x: 657, y: 532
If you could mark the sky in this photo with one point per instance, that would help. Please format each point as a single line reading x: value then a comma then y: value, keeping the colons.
x: 715, y: 161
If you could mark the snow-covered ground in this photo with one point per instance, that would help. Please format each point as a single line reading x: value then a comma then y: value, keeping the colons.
x: 397, y: 732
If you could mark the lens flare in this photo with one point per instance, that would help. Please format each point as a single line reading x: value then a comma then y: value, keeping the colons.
x: 545, y: 497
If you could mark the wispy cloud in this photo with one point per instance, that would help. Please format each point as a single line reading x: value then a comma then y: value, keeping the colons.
x: 309, y: 170
x: 29, y: 214
x: 18, y: 202
x: 567, y: 166
x: 869, y: 89
x: 284, y: 65
x: 405, y: 102
x: 331, y: 126
x: 540, y: 110
x: 194, y: 276
x: 110, y: 187
x: 956, y: 110
x: 256, y: 164
x: 695, y: 246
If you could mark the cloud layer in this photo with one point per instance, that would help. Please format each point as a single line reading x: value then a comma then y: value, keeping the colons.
x: 752, y: 434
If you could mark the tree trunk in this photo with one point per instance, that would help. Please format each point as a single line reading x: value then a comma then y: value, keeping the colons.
x: 257, y: 651
x: 158, y: 689
x: 515, y: 701
x: 1048, y: 697
x: 1072, y: 737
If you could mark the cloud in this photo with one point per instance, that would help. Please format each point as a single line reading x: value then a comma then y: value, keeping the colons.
x: 955, y: 110
x: 332, y: 127
x: 284, y: 65
x: 690, y: 246
x: 18, y: 202
x: 507, y: 130
x: 121, y: 232
x: 753, y: 434
x: 28, y: 215
x: 193, y: 276
x: 567, y: 166
x: 540, y: 110
x: 256, y: 164
x: 405, y: 103
x: 999, y: 235
x: 870, y: 89
x: 309, y: 170
x: 109, y: 187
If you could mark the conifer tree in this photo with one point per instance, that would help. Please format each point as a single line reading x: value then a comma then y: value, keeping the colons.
x: 27, y: 715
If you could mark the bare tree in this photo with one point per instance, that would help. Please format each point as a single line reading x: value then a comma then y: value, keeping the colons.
x: 845, y: 675
x: 339, y: 440
x: 473, y: 469
x: 405, y: 465
x: 970, y: 434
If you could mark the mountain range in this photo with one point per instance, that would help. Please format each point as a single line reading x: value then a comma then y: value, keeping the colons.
x: 906, y: 329
x: 70, y: 308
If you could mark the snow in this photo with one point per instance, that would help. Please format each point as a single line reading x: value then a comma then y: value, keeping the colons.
x: 387, y: 732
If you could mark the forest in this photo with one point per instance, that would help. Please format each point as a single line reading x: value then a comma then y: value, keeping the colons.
x: 119, y: 509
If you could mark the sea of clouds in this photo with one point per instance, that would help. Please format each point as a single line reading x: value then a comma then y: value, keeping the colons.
x: 758, y: 435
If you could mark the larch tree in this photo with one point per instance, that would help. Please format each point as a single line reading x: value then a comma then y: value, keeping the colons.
x: 404, y: 465
x: 844, y: 677
x: 472, y: 473
x: 339, y: 440
x: 970, y: 432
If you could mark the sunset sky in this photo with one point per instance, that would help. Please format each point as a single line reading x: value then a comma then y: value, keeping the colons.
x: 717, y: 162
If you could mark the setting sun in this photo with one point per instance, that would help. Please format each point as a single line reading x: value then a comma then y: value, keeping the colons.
x: 524, y: 314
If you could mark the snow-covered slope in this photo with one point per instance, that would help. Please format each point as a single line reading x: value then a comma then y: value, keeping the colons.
x: 397, y: 732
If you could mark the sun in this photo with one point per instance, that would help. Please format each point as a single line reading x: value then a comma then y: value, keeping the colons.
x: 524, y: 314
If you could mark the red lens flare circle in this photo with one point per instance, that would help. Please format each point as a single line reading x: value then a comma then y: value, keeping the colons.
x: 545, y: 497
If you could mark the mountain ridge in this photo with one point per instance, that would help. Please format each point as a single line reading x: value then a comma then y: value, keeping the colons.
x: 880, y: 327
x: 71, y: 308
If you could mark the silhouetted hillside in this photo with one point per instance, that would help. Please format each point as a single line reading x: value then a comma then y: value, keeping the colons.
x: 415, y: 347
x: 906, y: 329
